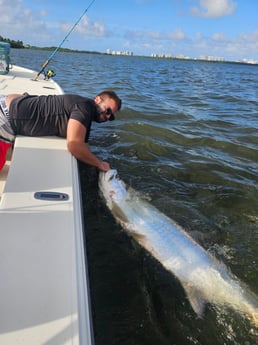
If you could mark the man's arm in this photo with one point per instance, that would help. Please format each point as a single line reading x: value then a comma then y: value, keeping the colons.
x: 75, y: 137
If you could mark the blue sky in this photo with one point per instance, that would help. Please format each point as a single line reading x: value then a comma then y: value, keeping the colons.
x: 219, y: 28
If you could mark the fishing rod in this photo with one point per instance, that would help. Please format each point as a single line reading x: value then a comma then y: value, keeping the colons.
x: 57, y: 48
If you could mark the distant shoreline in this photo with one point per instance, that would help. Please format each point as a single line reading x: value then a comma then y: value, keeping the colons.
x: 68, y: 50
x: 20, y: 45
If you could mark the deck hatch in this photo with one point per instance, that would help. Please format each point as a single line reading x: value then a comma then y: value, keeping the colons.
x: 54, y: 196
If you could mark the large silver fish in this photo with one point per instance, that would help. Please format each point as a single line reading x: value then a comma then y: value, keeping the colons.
x: 203, y: 278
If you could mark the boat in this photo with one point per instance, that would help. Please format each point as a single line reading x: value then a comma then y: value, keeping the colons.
x: 44, y: 288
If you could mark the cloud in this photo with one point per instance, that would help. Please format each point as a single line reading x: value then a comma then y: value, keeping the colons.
x: 133, y: 34
x: 154, y: 35
x: 214, y: 8
x: 34, y: 27
x: 177, y: 35
x: 9, y: 10
x: 219, y: 37
x: 244, y: 45
x: 87, y: 28
x: 176, y: 42
x: 21, y: 23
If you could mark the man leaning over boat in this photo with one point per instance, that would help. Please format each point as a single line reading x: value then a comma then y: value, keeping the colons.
x: 68, y: 116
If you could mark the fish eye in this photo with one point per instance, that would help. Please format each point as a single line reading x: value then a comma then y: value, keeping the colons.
x: 114, y: 175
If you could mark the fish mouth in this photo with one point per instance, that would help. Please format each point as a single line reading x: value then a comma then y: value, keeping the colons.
x: 110, y: 175
x: 114, y: 175
x: 106, y: 180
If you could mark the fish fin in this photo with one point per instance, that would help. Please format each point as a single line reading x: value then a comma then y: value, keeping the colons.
x: 119, y: 214
x: 138, y: 237
x: 196, y: 300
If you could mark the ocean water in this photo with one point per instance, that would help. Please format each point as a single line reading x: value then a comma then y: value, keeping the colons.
x: 187, y: 140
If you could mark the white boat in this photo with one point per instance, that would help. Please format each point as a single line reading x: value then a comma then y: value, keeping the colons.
x: 44, y: 291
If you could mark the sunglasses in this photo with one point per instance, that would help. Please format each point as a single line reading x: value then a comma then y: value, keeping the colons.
x: 108, y: 111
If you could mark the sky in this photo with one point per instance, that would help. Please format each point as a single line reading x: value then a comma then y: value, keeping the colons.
x: 225, y: 29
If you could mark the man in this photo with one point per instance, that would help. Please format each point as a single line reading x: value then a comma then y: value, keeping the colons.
x: 67, y: 116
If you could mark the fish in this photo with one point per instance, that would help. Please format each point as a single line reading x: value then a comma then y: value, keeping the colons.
x: 203, y: 277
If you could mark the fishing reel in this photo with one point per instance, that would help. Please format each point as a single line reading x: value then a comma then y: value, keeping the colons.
x: 49, y: 74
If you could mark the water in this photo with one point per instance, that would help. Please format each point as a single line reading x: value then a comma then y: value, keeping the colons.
x: 187, y: 140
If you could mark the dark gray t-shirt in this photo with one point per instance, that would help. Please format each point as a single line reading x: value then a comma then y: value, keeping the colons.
x: 48, y: 115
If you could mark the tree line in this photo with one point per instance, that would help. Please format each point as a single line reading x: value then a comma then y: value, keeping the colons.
x: 13, y: 43
x: 19, y: 44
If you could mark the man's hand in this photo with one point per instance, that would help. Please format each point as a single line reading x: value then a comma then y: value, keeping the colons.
x: 104, y: 166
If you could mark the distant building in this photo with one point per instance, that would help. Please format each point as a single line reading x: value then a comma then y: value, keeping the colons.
x: 119, y: 52
x: 166, y: 56
x: 211, y: 58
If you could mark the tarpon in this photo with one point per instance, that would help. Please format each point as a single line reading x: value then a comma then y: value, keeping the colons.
x: 202, y: 276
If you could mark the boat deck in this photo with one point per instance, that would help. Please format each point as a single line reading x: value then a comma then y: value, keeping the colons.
x: 44, y: 292
x: 20, y: 80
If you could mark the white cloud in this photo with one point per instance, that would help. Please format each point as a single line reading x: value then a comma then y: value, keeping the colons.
x: 19, y: 22
x: 219, y: 37
x: 177, y: 34
x: 214, y: 8
x: 177, y: 42
x: 86, y: 27
x: 9, y: 9
x: 245, y: 45
x: 154, y: 35
x: 133, y: 34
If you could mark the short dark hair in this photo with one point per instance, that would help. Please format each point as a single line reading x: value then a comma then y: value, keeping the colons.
x: 111, y: 94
